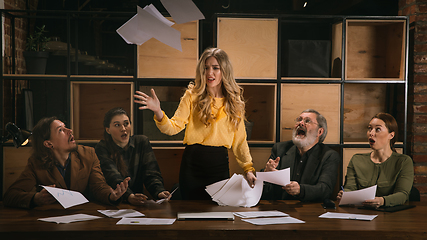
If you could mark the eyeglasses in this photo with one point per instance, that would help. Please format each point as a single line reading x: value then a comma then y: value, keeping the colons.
x: 306, y: 121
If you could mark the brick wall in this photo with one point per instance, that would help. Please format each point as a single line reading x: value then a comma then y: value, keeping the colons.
x: 21, y: 29
x: 417, y: 100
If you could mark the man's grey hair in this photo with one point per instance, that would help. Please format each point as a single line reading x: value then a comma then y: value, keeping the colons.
x: 321, y: 120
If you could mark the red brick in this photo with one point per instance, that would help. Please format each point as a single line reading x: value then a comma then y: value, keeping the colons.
x: 420, y: 88
x: 420, y: 48
x: 418, y: 98
x: 420, y: 68
x: 420, y: 109
x: 420, y: 149
x: 420, y: 179
x: 419, y: 158
x: 422, y: 8
x: 420, y: 27
x: 422, y: 188
x: 420, y: 138
x: 420, y: 78
x: 420, y: 59
x: 420, y: 170
x: 420, y: 119
x: 423, y: 198
x: 420, y: 37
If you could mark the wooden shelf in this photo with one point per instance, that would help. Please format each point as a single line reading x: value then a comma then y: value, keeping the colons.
x: 251, y: 44
x: 375, y: 49
x: 91, y: 100
x: 260, y: 111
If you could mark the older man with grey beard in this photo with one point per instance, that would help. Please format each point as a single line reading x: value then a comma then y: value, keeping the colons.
x: 313, y: 165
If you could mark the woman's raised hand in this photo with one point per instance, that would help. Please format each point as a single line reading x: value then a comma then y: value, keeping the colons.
x: 148, y: 102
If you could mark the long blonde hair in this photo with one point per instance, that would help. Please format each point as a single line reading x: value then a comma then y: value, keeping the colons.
x: 233, y: 93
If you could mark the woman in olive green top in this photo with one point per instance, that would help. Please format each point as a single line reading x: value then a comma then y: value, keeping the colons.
x: 393, y: 173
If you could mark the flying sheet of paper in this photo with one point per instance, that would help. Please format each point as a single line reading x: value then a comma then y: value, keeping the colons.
x: 66, y: 198
x: 121, y: 213
x: 69, y: 218
x: 237, y: 192
x: 280, y: 177
x: 146, y: 221
x: 359, y: 196
x: 146, y: 24
x: 269, y: 221
x: 182, y: 11
x: 348, y: 216
x: 256, y: 214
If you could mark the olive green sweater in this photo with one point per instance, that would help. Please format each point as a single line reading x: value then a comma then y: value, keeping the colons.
x: 393, y: 177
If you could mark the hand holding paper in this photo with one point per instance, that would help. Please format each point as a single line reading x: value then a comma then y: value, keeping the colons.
x: 280, y: 177
x: 359, y: 196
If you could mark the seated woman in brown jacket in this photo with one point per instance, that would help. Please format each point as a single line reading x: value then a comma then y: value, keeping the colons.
x: 58, y: 161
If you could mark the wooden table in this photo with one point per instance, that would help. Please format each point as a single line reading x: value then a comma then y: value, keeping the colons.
x: 23, y: 224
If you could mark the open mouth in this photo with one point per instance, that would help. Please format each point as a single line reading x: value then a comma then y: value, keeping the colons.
x: 124, y: 135
x: 301, y: 132
x: 211, y: 79
x: 371, y: 141
x: 71, y: 138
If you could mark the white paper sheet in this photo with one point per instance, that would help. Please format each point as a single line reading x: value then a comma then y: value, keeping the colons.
x: 215, y: 187
x: 121, y: 213
x: 147, y: 24
x: 256, y: 214
x: 359, y: 196
x: 166, y: 199
x: 66, y: 198
x: 182, y: 11
x: 279, y: 177
x: 348, y: 216
x: 69, y: 218
x: 277, y: 220
x: 236, y: 192
x: 146, y: 221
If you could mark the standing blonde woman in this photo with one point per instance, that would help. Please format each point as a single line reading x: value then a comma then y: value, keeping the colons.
x: 213, y: 112
x: 392, y: 172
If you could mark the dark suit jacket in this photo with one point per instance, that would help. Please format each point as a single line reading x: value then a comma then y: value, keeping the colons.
x: 318, y: 178
x: 86, y: 177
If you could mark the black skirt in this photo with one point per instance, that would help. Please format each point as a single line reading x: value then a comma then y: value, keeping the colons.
x: 201, y: 166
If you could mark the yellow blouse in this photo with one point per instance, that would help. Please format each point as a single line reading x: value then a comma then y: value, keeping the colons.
x: 219, y: 133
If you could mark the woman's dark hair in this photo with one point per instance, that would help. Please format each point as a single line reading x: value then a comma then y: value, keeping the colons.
x: 391, y: 125
x: 41, y: 133
x: 109, y: 142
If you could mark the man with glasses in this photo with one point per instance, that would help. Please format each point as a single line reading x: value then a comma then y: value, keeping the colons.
x: 313, y: 165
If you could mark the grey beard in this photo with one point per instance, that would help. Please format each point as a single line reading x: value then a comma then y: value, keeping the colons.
x: 302, y: 143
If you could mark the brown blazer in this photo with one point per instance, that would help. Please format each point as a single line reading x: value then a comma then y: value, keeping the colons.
x: 86, y: 177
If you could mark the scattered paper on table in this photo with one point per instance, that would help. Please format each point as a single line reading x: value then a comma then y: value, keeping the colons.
x: 256, y: 214
x: 67, y: 198
x: 182, y: 11
x: 280, y: 177
x: 69, y: 218
x: 146, y: 221
x: 149, y: 23
x: 348, y: 216
x: 359, y: 196
x: 269, y: 221
x: 121, y: 213
x: 236, y: 192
